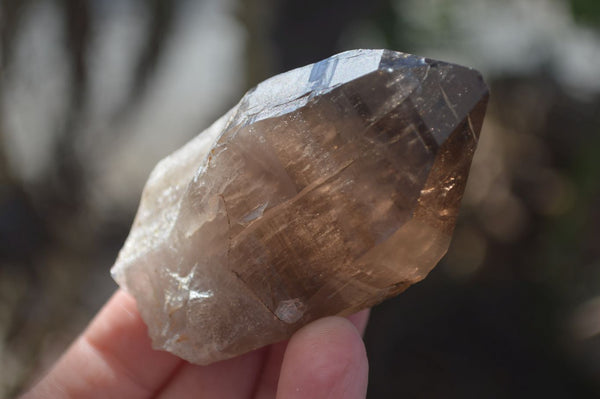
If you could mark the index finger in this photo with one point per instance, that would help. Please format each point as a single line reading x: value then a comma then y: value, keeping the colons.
x: 112, y: 358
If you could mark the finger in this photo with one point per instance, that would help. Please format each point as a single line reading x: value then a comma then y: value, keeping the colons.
x: 233, y: 378
x: 267, y: 385
x: 325, y: 359
x: 216, y: 380
x: 360, y: 320
x: 269, y: 378
x: 112, y: 358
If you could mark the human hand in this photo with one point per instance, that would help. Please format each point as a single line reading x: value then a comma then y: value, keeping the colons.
x: 113, y: 358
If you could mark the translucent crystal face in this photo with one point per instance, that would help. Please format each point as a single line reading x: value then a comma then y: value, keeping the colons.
x: 324, y: 191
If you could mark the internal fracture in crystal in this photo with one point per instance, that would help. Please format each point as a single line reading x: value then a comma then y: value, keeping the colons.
x: 326, y: 190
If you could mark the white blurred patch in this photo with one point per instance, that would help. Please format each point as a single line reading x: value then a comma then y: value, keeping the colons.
x: 585, y: 321
x: 120, y: 31
x: 35, y: 92
x: 199, y: 73
x: 503, y: 37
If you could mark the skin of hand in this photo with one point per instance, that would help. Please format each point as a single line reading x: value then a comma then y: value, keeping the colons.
x: 113, y: 358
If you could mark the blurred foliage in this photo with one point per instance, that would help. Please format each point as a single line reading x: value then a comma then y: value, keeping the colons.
x: 587, y: 11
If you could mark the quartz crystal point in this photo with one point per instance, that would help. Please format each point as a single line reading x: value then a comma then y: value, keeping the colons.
x: 326, y: 190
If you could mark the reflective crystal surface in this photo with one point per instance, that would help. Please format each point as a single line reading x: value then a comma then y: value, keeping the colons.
x: 326, y: 190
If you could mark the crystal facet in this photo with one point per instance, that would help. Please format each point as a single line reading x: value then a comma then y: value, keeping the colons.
x: 326, y: 190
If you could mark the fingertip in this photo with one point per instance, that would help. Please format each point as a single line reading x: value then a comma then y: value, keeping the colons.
x: 360, y: 320
x: 325, y: 359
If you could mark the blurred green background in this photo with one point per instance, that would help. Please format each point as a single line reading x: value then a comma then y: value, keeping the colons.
x: 94, y: 92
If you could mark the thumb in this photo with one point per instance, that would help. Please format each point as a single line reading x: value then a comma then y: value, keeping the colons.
x: 325, y: 359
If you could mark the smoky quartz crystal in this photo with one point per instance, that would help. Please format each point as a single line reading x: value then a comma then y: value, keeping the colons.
x: 326, y: 190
